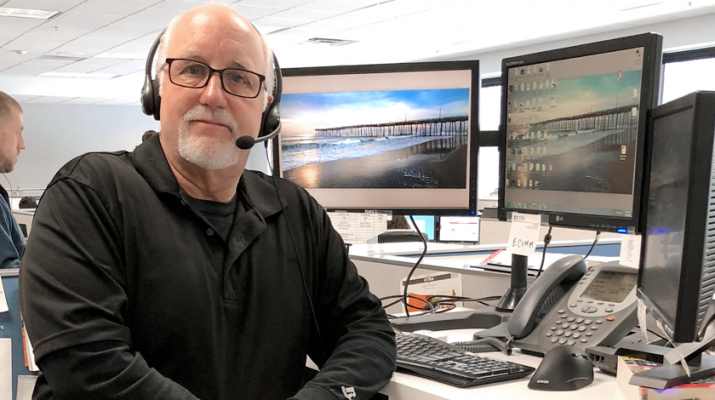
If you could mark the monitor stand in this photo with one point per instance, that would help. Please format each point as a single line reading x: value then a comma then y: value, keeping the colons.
x: 672, y: 372
x: 493, y: 319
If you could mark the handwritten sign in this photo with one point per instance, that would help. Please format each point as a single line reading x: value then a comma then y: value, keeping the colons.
x: 524, y: 234
x: 631, y: 251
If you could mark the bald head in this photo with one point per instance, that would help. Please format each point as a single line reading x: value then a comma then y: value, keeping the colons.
x: 7, y: 106
x: 213, y: 16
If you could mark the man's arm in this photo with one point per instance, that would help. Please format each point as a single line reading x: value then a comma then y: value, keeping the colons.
x: 357, y: 351
x: 9, y: 254
x: 73, y: 301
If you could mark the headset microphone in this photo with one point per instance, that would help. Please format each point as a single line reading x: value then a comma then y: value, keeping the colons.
x: 246, y: 142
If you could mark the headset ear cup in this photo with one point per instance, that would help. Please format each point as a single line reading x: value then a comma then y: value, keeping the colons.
x: 148, y: 96
x: 273, y: 120
x: 156, y: 99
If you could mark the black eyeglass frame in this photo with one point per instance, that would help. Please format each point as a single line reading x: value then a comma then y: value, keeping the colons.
x: 220, y: 72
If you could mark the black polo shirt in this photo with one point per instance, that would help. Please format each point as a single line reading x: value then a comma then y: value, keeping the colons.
x: 123, y: 274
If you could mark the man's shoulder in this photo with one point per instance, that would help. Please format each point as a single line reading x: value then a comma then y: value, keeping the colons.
x: 95, y: 167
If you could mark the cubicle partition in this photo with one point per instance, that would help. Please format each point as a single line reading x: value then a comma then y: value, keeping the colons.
x: 11, y: 326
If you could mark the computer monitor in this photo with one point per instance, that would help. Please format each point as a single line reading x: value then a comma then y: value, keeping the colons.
x: 573, y: 133
x: 459, y: 229
x: 426, y: 225
x: 677, y: 272
x: 401, y: 138
x: 676, y: 280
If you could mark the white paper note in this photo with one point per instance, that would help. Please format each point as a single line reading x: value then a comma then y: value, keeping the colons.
x: 30, y: 352
x: 3, y: 299
x: 524, y: 234
x: 631, y: 251
x: 25, y: 386
x: 5, y: 368
x: 642, y: 312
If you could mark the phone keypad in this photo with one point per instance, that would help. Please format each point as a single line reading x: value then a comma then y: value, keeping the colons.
x: 570, y: 329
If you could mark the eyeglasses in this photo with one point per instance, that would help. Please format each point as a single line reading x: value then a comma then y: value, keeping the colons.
x: 195, y: 74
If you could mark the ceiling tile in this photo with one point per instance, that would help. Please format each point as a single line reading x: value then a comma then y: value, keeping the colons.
x: 115, y: 102
x: 139, y: 46
x: 159, y: 15
x: 335, y: 6
x: 126, y: 67
x: 44, y: 38
x: 281, y: 22
x: 299, y: 13
x: 21, y: 98
x: 10, y: 28
x: 47, y: 5
x: 276, y: 3
x: 131, y: 22
x: 89, y: 65
x: 83, y: 20
x: 251, y: 11
x: 84, y: 101
x: 103, y: 39
x: 114, y: 7
x: 48, y: 100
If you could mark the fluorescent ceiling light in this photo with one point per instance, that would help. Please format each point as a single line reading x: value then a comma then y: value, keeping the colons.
x: 131, y: 56
x: 93, y: 75
x: 26, y: 13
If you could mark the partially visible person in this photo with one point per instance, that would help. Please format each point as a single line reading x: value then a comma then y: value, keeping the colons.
x: 27, y: 202
x: 398, y: 222
x: 12, y: 241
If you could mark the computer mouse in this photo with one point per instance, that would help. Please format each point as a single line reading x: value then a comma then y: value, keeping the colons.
x: 562, y: 369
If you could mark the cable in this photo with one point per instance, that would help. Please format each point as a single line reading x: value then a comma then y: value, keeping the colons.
x: 547, y: 240
x: 297, y: 256
x: 485, y: 345
x: 268, y: 158
x: 401, y: 297
x: 598, y: 234
x: 424, y: 251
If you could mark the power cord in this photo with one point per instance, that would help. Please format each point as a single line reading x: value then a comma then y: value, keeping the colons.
x: 547, y: 240
x: 598, y: 235
x: 407, y: 281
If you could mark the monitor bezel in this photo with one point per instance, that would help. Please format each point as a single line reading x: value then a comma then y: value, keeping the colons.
x: 650, y: 95
x: 472, y: 65
x: 685, y: 328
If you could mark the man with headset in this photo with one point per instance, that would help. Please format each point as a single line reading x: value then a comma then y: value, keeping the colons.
x: 170, y: 272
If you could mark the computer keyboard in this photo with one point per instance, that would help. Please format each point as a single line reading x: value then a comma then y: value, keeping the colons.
x: 443, y: 362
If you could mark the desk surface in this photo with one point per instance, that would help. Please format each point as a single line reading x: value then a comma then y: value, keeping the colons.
x: 410, y: 387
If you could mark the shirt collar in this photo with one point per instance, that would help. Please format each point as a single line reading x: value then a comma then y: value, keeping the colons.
x: 256, y: 191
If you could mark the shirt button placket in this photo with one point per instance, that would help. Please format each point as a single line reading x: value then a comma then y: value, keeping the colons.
x: 209, y: 232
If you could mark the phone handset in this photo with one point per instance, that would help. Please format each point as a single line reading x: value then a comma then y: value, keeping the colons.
x: 566, y: 270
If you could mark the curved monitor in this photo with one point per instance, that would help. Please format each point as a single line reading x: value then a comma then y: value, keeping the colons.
x: 399, y: 138
x: 574, y: 124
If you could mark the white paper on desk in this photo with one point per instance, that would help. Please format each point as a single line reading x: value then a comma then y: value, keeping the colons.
x: 3, y: 299
x: 631, y: 251
x: 524, y: 234
x: 30, y: 352
x: 534, y: 261
x: 5, y: 368
x: 25, y: 386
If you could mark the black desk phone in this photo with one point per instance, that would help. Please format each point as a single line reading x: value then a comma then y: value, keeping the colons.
x: 570, y: 304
